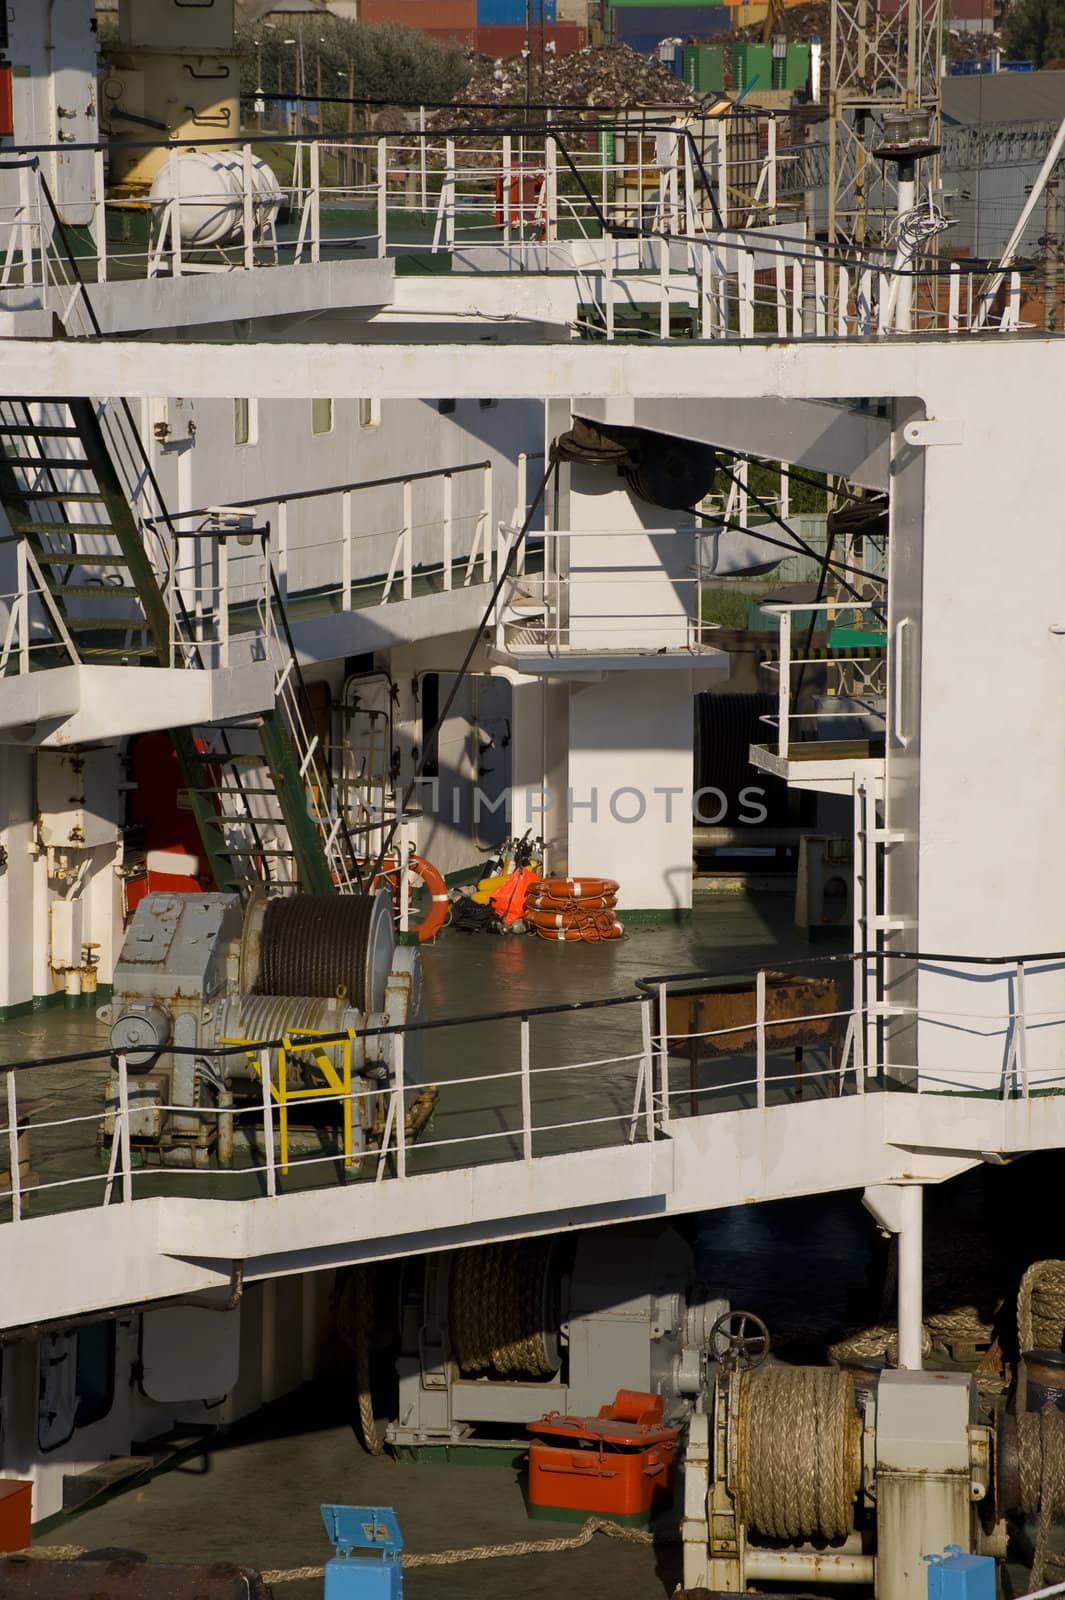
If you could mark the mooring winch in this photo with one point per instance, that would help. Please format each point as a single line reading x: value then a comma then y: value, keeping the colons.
x: 819, y: 1475
x: 500, y: 1334
x: 204, y: 972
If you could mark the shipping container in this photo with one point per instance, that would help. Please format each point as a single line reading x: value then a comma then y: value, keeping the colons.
x: 659, y: 5
x: 509, y: 40
x: 447, y: 20
x: 644, y: 28
x: 752, y: 63
x: 704, y: 68
x: 797, y: 67
x: 507, y: 13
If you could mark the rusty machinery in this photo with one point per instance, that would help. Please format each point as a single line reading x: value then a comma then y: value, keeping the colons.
x: 492, y: 1338
x: 201, y: 972
x: 822, y: 1475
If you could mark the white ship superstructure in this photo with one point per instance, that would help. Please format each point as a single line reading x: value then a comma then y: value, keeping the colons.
x: 391, y: 495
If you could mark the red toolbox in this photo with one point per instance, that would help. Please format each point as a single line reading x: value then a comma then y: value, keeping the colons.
x: 618, y: 1464
x: 16, y: 1496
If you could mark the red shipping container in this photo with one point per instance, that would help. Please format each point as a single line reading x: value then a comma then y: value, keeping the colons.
x: 16, y: 1498
x: 457, y: 17
x: 508, y: 39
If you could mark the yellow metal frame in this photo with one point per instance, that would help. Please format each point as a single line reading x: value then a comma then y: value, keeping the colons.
x: 301, y: 1041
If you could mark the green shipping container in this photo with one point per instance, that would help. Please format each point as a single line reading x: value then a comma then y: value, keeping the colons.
x: 704, y: 68
x: 751, y: 62
x: 797, y: 66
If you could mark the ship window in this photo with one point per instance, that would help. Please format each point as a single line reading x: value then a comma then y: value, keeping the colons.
x: 245, y: 421
x: 321, y: 416
x: 484, y: 404
x: 369, y: 413
x: 445, y: 407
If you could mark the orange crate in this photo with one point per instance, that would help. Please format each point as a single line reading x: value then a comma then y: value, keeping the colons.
x: 618, y: 1464
x: 16, y: 1499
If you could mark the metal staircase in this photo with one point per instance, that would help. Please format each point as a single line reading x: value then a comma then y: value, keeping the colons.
x: 98, y: 587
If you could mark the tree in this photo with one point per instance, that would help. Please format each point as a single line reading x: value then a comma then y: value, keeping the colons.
x: 1035, y: 31
x: 387, y: 62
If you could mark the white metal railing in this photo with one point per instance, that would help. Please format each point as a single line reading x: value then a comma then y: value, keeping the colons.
x: 620, y: 1071
x: 636, y: 590
x: 815, y: 723
x: 702, y: 198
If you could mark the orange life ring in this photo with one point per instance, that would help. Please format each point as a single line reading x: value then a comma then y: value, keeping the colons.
x: 582, y: 889
x: 570, y: 919
x: 520, y: 196
x: 436, y: 915
x: 548, y: 902
x: 585, y: 934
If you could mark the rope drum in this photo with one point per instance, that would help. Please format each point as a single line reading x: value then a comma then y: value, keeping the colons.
x: 798, y: 1461
x: 316, y: 944
x: 496, y: 1309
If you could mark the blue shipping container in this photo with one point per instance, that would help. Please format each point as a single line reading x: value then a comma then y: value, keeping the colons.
x: 644, y: 27
x: 513, y: 12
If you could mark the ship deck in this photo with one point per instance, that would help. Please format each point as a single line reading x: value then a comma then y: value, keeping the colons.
x: 476, y: 1120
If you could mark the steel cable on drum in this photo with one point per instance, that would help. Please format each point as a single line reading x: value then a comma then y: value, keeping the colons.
x: 316, y: 945
x: 798, y: 1455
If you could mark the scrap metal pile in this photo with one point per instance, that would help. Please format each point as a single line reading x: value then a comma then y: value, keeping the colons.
x: 607, y: 75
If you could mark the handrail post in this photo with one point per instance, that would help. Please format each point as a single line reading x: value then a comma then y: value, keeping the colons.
x: 526, y: 1093
x: 23, y: 604
x: 13, y: 1150
x: 449, y: 528
x: 175, y: 214
x: 123, y: 1111
x: 268, y: 1123
x: 486, y: 519
x: 1021, y: 1029
x: 99, y: 192
x: 382, y: 198
x: 223, y: 602
x: 522, y: 507
x: 248, y: 208
x: 423, y: 160
x: 346, y: 561
x: 663, y: 1055
x: 858, y: 1014
x: 759, y: 1027
x: 401, y: 1108
x: 784, y: 685
x: 647, y: 1068
x: 449, y: 185
x: 316, y: 203
x: 408, y: 538
x: 282, y: 552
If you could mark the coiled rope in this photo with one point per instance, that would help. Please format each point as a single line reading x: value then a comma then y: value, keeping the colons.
x: 353, y: 1313
x: 799, y: 1461
x: 1041, y: 1459
x: 1041, y: 1307
x: 496, y: 1309
x: 439, y: 1558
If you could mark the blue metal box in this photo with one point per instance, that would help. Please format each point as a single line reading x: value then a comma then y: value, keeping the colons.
x: 957, y: 1576
x: 367, y: 1564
